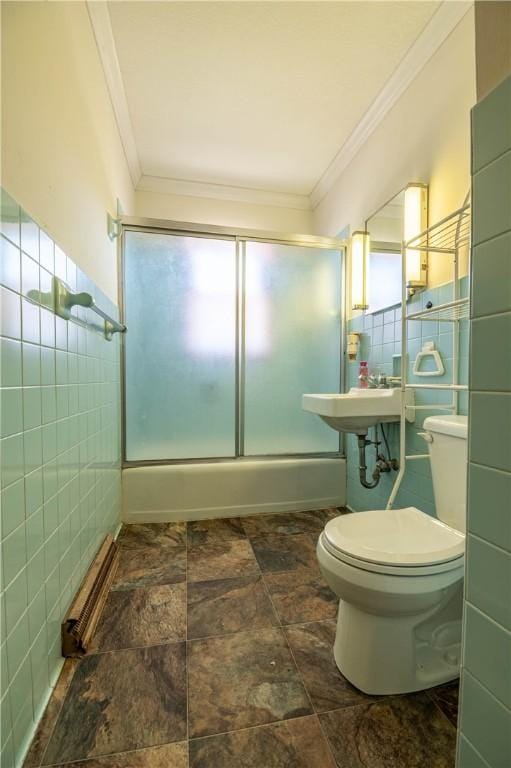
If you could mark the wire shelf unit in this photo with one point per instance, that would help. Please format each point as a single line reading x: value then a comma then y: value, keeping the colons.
x: 451, y: 311
x: 448, y: 235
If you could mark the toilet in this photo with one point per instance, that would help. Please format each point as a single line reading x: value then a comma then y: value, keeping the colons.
x: 399, y: 578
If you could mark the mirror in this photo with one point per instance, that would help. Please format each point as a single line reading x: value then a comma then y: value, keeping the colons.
x: 385, y: 229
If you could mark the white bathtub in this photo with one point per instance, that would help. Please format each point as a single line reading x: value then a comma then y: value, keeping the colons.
x: 223, y: 489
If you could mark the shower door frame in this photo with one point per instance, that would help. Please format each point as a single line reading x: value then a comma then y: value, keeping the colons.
x: 239, y: 236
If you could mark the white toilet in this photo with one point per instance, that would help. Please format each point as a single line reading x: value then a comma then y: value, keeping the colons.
x: 399, y: 576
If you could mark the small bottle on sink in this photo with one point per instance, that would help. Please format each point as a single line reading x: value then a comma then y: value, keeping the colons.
x: 363, y: 375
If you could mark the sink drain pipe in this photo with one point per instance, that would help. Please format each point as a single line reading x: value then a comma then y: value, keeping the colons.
x: 362, y: 466
x: 382, y: 464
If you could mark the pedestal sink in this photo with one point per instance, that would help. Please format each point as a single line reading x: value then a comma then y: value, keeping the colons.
x: 359, y: 409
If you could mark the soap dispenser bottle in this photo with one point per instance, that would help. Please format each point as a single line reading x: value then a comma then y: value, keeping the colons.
x: 363, y: 375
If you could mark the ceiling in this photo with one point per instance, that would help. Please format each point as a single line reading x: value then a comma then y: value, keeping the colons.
x: 258, y: 95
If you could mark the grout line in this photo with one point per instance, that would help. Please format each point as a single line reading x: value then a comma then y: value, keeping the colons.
x: 135, y: 647
x: 327, y: 740
x: 102, y: 756
x: 437, y: 705
x: 480, y: 539
x: 275, y: 611
x: 314, y: 713
x: 251, y: 728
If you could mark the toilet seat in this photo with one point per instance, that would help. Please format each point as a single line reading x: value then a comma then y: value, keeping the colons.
x: 397, y: 542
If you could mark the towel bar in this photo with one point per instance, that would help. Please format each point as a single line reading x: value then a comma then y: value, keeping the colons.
x: 65, y: 300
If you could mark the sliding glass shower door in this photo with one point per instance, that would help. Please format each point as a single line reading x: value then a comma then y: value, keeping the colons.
x: 225, y: 335
x: 292, y: 345
x: 180, y: 358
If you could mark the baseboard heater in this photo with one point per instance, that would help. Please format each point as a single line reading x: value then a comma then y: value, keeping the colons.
x: 82, y: 618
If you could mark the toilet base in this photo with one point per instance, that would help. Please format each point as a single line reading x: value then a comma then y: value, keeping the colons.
x: 390, y: 655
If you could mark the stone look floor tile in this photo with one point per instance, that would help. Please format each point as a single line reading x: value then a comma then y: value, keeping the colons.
x: 399, y: 732
x: 301, y: 595
x: 137, y: 617
x: 167, y: 756
x: 146, y: 566
x: 446, y: 698
x: 128, y: 708
x: 312, y: 647
x: 228, y: 558
x: 241, y: 681
x: 134, y: 536
x: 288, y: 522
x: 295, y: 743
x: 285, y: 553
x: 122, y: 701
x: 204, y: 531
x: 48, y: 720
x: 228, y: 605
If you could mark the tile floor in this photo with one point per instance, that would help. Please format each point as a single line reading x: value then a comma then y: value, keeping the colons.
x: 215, y: 651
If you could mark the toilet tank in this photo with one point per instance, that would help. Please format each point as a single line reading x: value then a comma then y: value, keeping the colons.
x: 448, y: 449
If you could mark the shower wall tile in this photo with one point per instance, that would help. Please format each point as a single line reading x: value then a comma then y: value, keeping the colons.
x: 468, y: 757
x: 491, y: 127
x: 491, y: 271
x: 487, y: 721
x: 10, y: 265
x: 492, y: 668
x: 489, y: 442
x: 491, y: 360
x: 485, y: 695
x: 491, y: 522
x: 60, y: 463
x: 489, y: 580
x: 10, y: 317
x: 9, y: 217
x: 491, y: 193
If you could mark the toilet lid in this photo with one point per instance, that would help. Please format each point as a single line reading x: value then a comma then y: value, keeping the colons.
x: 401, y: 537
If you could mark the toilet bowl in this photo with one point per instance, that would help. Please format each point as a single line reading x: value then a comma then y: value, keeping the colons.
x: 399, y: 578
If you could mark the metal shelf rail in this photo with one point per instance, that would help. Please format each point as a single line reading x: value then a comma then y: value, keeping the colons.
x: 448, y: 236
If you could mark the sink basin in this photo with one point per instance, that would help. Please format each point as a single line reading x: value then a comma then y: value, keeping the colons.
x: 358, y: 409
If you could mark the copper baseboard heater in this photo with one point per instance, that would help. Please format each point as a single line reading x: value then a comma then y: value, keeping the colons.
x: 82, y: 618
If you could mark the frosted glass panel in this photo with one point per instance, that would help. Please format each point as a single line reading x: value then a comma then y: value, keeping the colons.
x: 180, y: 303
x: 293, y: 322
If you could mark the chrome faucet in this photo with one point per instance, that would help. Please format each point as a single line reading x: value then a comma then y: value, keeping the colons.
x: 378, y: 381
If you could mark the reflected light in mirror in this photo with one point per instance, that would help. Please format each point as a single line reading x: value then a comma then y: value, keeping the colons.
x: 415, y: 221
x: 359, y: 269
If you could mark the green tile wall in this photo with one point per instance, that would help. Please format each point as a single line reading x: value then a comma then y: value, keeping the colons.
x: 485, y: 720
x: 60, y: 463
x: 380, y: 341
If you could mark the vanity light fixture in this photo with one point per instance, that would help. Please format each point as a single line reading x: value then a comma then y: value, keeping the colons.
x: 415, y: 222
x: 359, y: 269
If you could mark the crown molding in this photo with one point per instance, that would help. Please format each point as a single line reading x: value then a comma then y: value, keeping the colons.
x: 436, y: 31
x: 102, y: 27
x: 164, y: 185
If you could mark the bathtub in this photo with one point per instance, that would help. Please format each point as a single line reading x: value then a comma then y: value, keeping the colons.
x: 195, y: 491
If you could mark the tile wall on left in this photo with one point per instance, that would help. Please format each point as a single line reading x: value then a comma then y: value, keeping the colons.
x: 60, y: 462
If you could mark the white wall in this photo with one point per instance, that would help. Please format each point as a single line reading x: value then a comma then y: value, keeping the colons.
x: 425, y: 137
x: 61, y: 154
x: 204, y: 210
